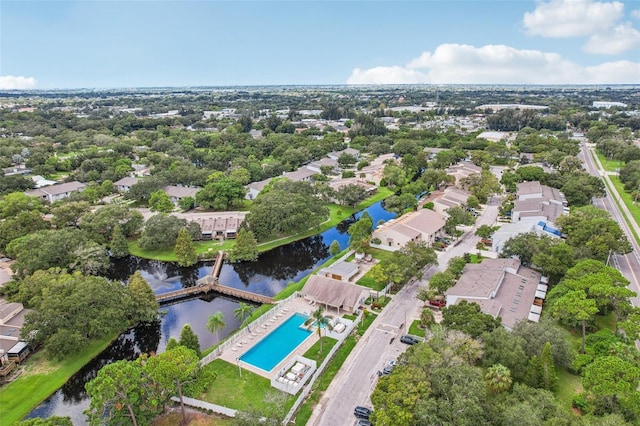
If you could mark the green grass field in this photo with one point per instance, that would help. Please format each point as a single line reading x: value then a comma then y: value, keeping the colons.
x: 609, y: 165
x: 240, y: 393
x: 40, y: 380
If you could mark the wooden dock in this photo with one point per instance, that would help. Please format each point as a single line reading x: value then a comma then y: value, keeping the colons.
x: 209, y: 284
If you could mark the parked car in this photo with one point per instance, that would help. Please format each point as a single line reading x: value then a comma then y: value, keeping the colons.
x: 362, y: 412
x: 363, y: 422
x: 387, y: 369
x: 438, y: 303
x: 409, y: 340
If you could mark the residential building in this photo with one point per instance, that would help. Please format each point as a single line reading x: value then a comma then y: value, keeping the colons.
x: 343, y: 271
x: 538, y: 203
x: 177, y: 193
x: 452, y: 197
x: 125, y: 184
x: 462, y: 170
x: 421, y: 226
x: 604, y: 104
x: 57, y: 192
x: 503, y: 288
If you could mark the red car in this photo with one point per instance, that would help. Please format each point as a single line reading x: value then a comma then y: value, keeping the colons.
x: 438, y: 303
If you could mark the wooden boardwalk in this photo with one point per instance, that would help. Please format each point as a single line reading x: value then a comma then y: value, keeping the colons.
x: 210, y: 283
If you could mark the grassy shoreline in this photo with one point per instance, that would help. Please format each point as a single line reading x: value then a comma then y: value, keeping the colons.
x: 41, y: 379
x: 337, y: 215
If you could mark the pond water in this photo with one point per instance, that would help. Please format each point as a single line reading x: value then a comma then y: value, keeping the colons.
x: 269, y: 275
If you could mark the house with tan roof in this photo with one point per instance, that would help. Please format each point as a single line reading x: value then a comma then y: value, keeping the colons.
x: 421, y: 226
x: 462, y: 170
x: 177, y: 193
x: 503, y: 288
x: 452, y: 197
x: 57, y: 192
x: 539, y: 204
x: 331, y: 293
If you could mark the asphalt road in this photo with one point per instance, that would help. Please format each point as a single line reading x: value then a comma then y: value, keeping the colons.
x: 357, y: 378
x: 628, y: 264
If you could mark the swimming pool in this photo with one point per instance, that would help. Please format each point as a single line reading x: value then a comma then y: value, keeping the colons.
x: 278, y: 344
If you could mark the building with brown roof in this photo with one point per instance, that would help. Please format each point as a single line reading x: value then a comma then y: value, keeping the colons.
x: 340, y: 295
x: 225, y: 227
x: 125, y: 184
x: 462, y: 170
x: 177, y: 193
x: 503, y: 288
x: 421, y: 226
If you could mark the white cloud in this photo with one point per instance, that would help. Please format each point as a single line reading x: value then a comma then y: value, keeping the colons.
x: 635, y: 14
x: 496, y: 64
x: 17, y: 82
x: 570, y: 18
x: 620, y: 39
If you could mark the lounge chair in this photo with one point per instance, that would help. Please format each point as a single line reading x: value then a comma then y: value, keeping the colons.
x: 234, y: 349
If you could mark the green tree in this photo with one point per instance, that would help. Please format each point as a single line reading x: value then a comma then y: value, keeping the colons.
x: 160, y: 202
x: 442, y: 281
x: 533, y: 375
x: 69, y: 213
x: 427, y: 318
x: 144, y: 306
x: 245, y: 247
x: 118, y: 247
x: 351, y: 194
x: 394, y: 175
x: 534, y: 336
x: 119, y: 391
x: 221, y: 193
x: 161, y: 231
x: 286, y: 207
x: 575, y: 306
x: 592, y: 233
x: 16, y: 202
x: 185, y: 252
x: 468, y: 318
x: 504, y: 348
x: 319, y: 321
x: 99, y: 224
x: 360, y: 233
x: 549, y: 377
x: 90, y: 258
x: 215, y: 323
x: 174, y: 370
x: 189, y: 339
x: 498, y: 378
x: 23, y: 224
x: 187, y: 203
x: 334, y: 248
x: 242, y: 312
x: 171, y: 344
x: 457, y: 216
x: 613, y: 383
x: 486, y: 231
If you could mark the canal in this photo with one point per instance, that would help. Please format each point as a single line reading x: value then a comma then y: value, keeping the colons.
x: 269, y: 275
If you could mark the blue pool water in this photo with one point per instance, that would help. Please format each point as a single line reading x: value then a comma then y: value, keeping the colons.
x: 278, y: 344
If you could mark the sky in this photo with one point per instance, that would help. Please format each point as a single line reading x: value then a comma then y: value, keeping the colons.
x: 158, y: 43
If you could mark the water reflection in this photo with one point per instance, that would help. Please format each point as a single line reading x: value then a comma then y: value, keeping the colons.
x: 268, y: 276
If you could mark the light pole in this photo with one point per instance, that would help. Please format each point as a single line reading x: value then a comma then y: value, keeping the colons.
x: 239, y: 369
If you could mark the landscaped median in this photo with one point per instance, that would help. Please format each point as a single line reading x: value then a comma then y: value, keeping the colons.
x: 41, y: 379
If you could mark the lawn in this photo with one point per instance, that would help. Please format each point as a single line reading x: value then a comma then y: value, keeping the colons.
x: 314, y: 351
x: 369, y: 317
x: 367, y: 281
x: 240, y: 393
x: 41, y: 379
x: 606, y: 321
x: 415, y: 330
x: 609, y: 165
x: 568, y: 385
x: 628, y: 201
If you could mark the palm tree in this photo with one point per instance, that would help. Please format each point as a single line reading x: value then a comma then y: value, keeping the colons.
x: 319, y: 320
x: 498, y: 378
x: 242, y: 311
x: 215, y: 323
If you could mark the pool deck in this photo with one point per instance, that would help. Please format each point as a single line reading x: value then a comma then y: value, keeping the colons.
x: 287, y: 310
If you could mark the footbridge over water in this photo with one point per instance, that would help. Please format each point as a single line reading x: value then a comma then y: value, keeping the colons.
x: 210, y: 283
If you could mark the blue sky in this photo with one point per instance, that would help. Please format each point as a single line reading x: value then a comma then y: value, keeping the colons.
x: 136, y: 43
